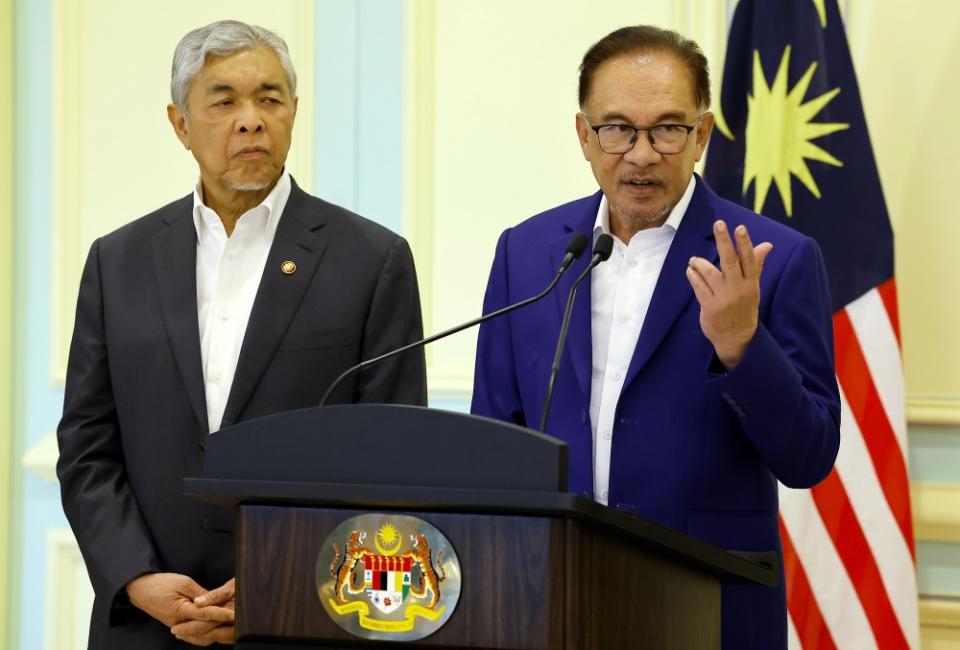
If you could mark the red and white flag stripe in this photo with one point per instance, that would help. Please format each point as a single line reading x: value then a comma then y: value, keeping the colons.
x: 849, y: 555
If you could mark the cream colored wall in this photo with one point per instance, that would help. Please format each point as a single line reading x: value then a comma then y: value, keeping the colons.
x: 6, y: 297
x: 907, y: 55
x: 110, y: 121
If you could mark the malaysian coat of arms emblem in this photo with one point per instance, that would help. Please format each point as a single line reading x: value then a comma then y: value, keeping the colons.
x: 388, y: 577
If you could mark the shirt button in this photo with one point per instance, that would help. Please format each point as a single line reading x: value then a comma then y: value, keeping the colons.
x: 624, y: 318
x: 633, y: 263
x: 224, y: 315
x: 231, y: 255
x: 216, y: 375
x: 604, y: 496
x: 615, y: 376
x: 607, y: 434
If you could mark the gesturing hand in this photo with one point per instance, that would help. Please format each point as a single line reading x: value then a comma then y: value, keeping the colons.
x: 729, y: 297
x: 204, y: 631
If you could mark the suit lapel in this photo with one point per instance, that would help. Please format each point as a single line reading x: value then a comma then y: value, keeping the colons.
x: 175, y: 262
x: 298, y: 239
x: 673, y: 291
x: 579, y: 343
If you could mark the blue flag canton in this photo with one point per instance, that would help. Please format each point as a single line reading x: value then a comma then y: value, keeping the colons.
x: 796, y: 146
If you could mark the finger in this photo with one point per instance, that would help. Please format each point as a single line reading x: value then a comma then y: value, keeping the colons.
x: 184, y: 610
x: 215, y: 614
x: 193, y: 629
x: 729, y: 262
x: 225, y: 634
x: 219, y: 595
x: 205, y: 637
x: 700, y: 288
x: 188, y: 587
x: 745, y: 252
x: 710, y: 274
x: 760, y: 251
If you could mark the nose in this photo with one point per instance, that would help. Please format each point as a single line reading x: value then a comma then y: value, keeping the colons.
x: 249, y: 119
x: 643, y: 153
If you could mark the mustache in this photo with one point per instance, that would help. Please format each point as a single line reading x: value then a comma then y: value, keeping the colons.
x: 654, y: 179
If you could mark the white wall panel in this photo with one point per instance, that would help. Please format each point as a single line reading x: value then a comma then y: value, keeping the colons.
x: 69, y: 594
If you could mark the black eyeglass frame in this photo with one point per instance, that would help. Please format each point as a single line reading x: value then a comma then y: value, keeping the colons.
x: 636, y: 134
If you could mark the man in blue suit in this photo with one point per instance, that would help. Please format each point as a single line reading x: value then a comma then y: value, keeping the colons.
x: 698, y: 370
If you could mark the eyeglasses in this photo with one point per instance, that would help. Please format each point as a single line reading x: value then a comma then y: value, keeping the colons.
x: 663, y: 138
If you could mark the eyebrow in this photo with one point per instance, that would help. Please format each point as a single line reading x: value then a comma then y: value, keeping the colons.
x: 227, y: 88
x: 663, y: 117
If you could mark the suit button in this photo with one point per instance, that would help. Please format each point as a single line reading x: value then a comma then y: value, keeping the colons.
x: 205, y: 523
x: 202, y: 446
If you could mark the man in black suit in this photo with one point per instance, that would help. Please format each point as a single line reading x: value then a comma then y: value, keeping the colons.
x: 247, y: 298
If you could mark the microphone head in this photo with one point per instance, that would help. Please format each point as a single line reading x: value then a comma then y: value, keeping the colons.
x: 577, y: 244
x: 603, y: 247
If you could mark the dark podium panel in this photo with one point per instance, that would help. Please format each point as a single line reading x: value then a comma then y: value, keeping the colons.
x: 541, y: 568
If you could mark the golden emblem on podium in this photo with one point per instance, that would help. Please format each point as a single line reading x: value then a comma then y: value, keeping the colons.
x: 388, y: 577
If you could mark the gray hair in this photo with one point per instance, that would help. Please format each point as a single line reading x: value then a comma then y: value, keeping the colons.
x: 222, y: 38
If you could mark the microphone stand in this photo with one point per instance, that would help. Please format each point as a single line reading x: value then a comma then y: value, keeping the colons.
x: 575, y: 248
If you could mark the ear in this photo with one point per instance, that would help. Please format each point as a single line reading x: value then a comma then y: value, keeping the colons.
x: 583, y: 133
x: 179, y: 122
x: 703, y: 133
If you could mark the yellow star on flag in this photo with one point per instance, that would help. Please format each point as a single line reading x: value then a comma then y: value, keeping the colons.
x: 779, y: 131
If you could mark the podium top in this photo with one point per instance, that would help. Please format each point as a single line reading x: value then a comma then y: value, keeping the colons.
x: 384, y: 444
x: 416, y: 459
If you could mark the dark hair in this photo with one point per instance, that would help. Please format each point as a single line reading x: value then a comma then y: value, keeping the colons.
x: 646, y: 38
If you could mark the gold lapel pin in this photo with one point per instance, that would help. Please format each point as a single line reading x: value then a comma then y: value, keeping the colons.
x: 288, y: 267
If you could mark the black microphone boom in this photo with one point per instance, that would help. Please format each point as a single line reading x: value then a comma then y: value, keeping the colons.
x: 575, y: 248
x: 601, y: 253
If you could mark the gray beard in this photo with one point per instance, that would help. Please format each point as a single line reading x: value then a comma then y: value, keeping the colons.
x: 651, y: 220
x: 250, y: 187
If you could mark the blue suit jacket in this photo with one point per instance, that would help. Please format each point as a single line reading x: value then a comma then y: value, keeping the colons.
x: 695, y: 448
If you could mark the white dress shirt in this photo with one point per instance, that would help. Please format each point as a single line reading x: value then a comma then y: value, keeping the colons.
x: 228, y: 276
x: 621, y: 289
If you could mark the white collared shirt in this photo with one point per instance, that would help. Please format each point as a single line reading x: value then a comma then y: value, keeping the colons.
x: 621, y: 289
x: 228, y: 276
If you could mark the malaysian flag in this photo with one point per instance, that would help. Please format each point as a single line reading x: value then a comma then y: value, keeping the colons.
x: 791, y: 142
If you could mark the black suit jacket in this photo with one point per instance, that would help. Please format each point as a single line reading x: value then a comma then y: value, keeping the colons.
x: 134, y: 420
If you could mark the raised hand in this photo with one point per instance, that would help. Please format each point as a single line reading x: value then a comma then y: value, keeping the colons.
x: 729, y: 296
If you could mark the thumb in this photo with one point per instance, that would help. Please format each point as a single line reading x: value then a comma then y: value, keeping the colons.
x: 188, y: 587
x: 217, y: 596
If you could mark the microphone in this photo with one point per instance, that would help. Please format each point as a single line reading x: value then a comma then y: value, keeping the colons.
x: 601, y: 253
x: 575, y: 248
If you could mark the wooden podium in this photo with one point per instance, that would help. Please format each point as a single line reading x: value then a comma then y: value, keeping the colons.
x: 541, y: 568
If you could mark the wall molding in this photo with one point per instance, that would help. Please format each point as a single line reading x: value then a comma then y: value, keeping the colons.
x: 69, y: 595
x: 6, y: 303
x: 939, y: 621
x: 940, y: 411
x: 936, y: 511
x: 940, y: 611
x: 67, y: 55
x: 41, y: 459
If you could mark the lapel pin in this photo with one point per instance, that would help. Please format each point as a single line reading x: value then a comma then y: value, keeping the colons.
x: 288, y: 267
